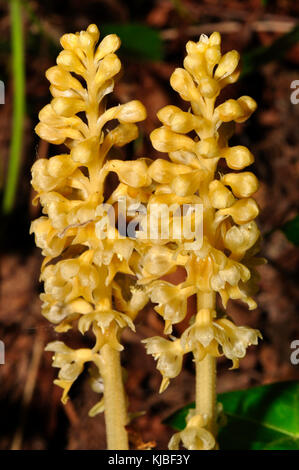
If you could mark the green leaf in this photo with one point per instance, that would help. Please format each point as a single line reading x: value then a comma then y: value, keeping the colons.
x: 291, y: 230
x: 138, y: 40
x: 261, y: 418
x: 264, y: 54
x: 18, y: 116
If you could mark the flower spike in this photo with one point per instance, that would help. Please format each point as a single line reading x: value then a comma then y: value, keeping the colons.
x: 83, y: 271
x: 220, y: 258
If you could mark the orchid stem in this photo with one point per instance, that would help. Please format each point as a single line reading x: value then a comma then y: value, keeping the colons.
x: 114, y: 400
x: 205, y: 394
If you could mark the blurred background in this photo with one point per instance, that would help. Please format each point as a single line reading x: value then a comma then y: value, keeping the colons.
x: 154, y: 34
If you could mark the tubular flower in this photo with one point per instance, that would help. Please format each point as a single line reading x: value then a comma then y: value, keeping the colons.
x: 206, y: 226
x: 86, y: 258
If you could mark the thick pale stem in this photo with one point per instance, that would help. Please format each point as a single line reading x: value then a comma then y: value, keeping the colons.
x: 205, y: 394
x: 206, y: 390
x: 114, y: 399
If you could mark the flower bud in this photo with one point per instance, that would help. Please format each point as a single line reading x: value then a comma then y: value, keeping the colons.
x: 70, y: 62
x: 208, y: 87
x: 62, y: 79
x: 195, y: 65
x: 107, y: 46
x: 94, y: 31
x: 108, y: 67
x: 230, y: 110
x: 69, y: 41
x: 67, y: 107
x: 215, y: 39
x: 84, y: 151
x: 237, y: 157
x: 243, y: 184
x: 179, y: 121
x: 213, y: 56
x: 169, y: 355
x: 164, y: 171
x: 133, y: 111
x: 131, y: 173
x: 69, y: 268
x: 164, y: 140
x: 86, y: 41
x: 121, y: 135
x: 242, y: 212
x: 158, y: 261
x: 46, y: 237
x: 248, y: 106
x: 182, y: 82
x: 187, y: 184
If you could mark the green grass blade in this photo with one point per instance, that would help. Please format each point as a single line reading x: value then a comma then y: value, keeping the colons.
x: 18, y: 72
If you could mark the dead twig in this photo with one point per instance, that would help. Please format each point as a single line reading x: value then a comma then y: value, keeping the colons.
x: 28, y: 390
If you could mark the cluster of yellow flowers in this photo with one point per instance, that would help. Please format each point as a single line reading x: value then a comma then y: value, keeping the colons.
x: 100, y: 283
x: 222, y: 257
